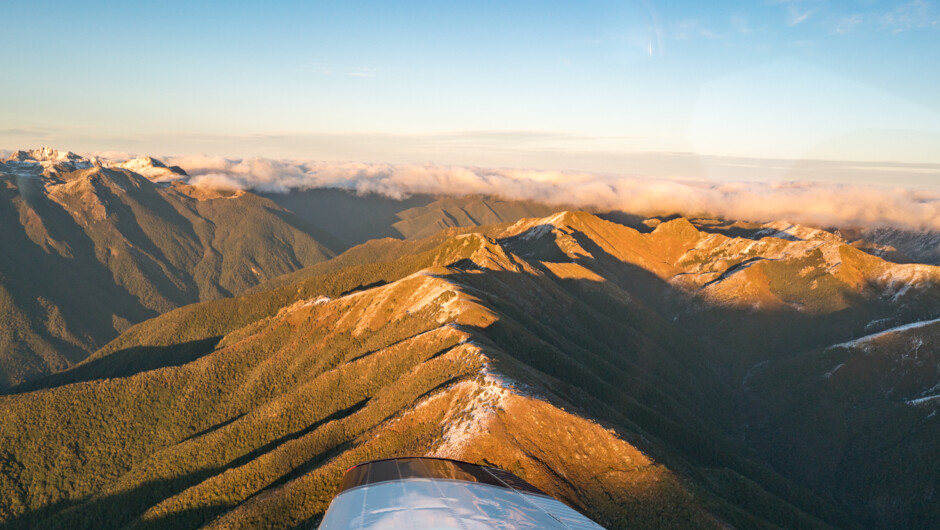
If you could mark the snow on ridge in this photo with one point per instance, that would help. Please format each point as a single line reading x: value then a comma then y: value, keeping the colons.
x: 560, y: 216
x: 35, y: 162
x: 151, y: 168
x: 459, y: 434
x: 898, y: 279
x: 866, y: 338
x: 489, y: 394
x: 751, y: 372
x: 535, y: 227
x: 17, y: 168
x: 875, y: 323
x: 45, y: 154
x: 426, y: 291
x: 316, y: 301
x: 488, y: 398
x: 537, y: 232
x: 828, y: 374
x: 923, y: 400
x: 795, y: 232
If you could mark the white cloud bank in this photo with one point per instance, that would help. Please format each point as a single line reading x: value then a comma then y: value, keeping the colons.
x: 815, y: 203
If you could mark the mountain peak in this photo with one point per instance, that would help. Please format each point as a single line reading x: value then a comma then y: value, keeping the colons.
x: 153, y: 169
x: 679, y: 226
x: 143, y: 161
x: 795, y: 232
x: 45, y: 154
x: 35, y: 162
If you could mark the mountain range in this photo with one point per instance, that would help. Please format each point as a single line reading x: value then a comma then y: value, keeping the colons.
x: 102, y: 245
x: 661, y: 372
x: 91, y: 249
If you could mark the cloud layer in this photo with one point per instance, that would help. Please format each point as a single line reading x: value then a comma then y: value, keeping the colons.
x: 817, y: 203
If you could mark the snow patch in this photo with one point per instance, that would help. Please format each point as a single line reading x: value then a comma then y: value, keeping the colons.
x: 752, y: 371
x: 316, y: 301
x: 537, y: 232
x: 36, y: 162
x: 926, y: 399
x: 905, y: 327
x: 488, y: 396
x: 558, y: 217
x: 300, y: 304
x: 923, y: 400
x: 430, y: 291
x: 899, y: 279
x: 874, y: 324
x: 794, y: 232
x: 487, y: 400
x: 533, y: 228
x: 828, y: 374
x: 152, y: 169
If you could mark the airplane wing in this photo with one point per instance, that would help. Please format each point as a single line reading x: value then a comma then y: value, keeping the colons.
x: 424, y: 493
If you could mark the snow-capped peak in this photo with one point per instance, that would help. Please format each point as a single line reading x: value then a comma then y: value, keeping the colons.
x: 142, y: 162
x: 153, y: 169
x: 46, y: 154
x: 35, y: 162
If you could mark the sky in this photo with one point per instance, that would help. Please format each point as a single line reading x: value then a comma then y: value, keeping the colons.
x: 757, y: 90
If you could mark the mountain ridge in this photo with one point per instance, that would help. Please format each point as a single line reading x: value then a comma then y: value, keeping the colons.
x: 691, y: 372
x: 99, y: 248
x: 552, y: 319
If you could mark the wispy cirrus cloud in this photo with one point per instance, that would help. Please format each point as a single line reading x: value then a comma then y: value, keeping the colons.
x: 909, y: 16
x: 865, y: 16
x: 912, y: 15
x: 848, y: 24
x: 796, y: 16
x: 799, y: 11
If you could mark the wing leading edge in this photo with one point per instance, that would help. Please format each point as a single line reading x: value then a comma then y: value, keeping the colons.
x: 422, y: 493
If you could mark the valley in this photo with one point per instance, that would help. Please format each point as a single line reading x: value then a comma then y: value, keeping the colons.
x: 646, y: 376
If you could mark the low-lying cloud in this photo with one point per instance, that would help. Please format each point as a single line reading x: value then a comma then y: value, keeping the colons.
x: 824, y: 204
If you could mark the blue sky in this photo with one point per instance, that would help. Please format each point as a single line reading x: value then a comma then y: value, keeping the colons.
x: 541, y: 83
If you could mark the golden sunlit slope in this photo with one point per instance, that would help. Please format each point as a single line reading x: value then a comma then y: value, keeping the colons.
x: 89, y: 251
x: 600, y: 363
x: 750, y: 291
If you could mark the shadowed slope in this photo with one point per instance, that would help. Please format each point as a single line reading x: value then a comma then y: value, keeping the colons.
x: 495, y: 348
x: 91, y: 250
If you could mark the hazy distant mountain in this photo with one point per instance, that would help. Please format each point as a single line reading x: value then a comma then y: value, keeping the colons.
x: 669, y: 376
x: 373, y: 216
x: 90, y: 248
x: 919, y: 246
